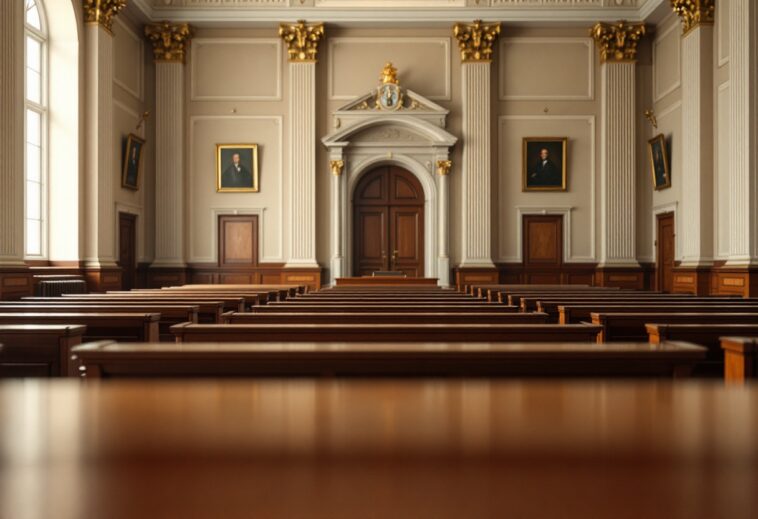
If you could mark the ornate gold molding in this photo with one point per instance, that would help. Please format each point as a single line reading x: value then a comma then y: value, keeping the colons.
x: 170, y: 41
x: 694, y: 12
x: 336, y: 166
x: 302, y: 41
x: 102, y: 12
x: 618, y: 41
x: 444, y: 166
x: 476, y: 40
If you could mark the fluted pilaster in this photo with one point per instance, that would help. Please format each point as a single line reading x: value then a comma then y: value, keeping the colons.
x: 11, y: 130
x: 303, y: 163
x: 100, y: 244
x: 618, y: 137
x: 169, y: 164
x: 697, y: 141
x: 476, y: 167
x: 443, y: 244
x: 338, y: 203
x: 743, y: 172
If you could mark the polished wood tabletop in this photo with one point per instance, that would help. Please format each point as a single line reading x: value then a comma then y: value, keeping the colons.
x: 415, y: 448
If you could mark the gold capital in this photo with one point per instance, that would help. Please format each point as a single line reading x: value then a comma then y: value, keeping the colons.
x: 694, y: 12
x: 476, y: 40
x: 444, y: 166
x: 302, y: 40
x: 618, y: 41
x: 337, y: 166
x: 102, y: 12
x: 170, y: 41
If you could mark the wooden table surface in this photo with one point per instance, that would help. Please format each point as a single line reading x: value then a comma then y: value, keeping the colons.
x: 377, y: 449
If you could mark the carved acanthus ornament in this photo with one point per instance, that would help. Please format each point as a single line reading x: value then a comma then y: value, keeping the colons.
x: 102, y: 12
x: 618, y: 41
x: 302, y: 41
x: 476, y: 40
x: 337, y: 166
x: 170, y: 41
x: 444, y: 167
x: 694, y: 12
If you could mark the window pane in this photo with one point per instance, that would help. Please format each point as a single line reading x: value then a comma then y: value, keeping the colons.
x: 33, y: 86
x: 33, y: 54
x: 33, y: 237
x: 33, y: 123
x: 33, y: 163
x: 32, y: 15
x: 33, y: 201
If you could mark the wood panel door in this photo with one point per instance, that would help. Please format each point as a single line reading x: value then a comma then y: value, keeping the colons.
x: 238, y: 241
x: 542, y: 248
x: 127, y: 250
x: 388, y: 223
x: 665, y: 252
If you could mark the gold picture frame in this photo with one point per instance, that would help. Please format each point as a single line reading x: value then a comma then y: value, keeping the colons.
x: 131, y: 162
x: 544, y: 164
x: 659, y: 162
x: 238, y: 175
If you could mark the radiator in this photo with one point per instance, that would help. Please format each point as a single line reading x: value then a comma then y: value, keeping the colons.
x: 58, y: 287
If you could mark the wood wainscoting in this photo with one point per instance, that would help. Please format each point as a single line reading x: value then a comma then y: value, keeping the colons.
x: 15, y: 282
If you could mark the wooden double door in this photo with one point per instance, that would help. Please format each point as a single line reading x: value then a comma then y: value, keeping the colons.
x: 388, y: 223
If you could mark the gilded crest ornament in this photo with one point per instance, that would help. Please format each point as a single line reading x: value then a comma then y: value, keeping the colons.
x: 102, y: 12
x: 476, y: 40
x: 389, y: 96
x: 618, y: 41
x: 170, y: 41
x: 302, y: 41
x: 694, y: 12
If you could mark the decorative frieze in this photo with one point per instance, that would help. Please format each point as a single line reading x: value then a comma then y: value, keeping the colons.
x: 694, y: 12
x: 302, y: 40
x: 618, y: 41
x: 102, y: 11
x: 170, y: 41
x: 476, y: 40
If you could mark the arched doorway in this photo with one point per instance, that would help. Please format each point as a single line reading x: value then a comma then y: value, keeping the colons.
x: 388, y: 223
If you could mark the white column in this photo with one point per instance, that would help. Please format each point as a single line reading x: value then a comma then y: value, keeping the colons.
x: 476, y: 167
x: 743, y: 172
x: 618, y: 137
x: 443, y: 256
x: 697, y: 140
x: 99, y: 209
x: 338, y: 205
x: 169, y: 164
x: 303, y: 164
x: 12, y: 132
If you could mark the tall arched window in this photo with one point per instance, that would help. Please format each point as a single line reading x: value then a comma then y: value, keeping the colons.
x: 36, y: 131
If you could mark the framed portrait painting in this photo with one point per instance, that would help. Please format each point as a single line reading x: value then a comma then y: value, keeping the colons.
x: 545, y: 162
x: 237, y: 168
x: 659, y: 162
x: 132, y: 160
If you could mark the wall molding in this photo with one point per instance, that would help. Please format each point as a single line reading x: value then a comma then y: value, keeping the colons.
x: 139, y: 95
x: 590, y: 119
x: 721, y: 177
x: 589, y: 96
x: 190, y: 191
x: 445, y: 41
x: 658, y: 94
x: 141, y: 132
x: 722, y: 30
x: 199, y: 42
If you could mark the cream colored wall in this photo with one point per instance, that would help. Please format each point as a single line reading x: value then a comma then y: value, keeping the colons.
x: 236, y: 86
x: 548, y: 86
x: 133, y: 93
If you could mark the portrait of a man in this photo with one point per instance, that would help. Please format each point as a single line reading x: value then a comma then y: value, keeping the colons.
x: 659, y: 162
x: 544, y: 167
x: 131, y: 163
x: 237, y: 168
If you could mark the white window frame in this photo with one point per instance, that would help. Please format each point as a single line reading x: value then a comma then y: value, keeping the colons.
x: 41, y: 36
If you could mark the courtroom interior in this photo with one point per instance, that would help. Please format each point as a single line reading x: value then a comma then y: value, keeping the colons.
x: 378, y: 258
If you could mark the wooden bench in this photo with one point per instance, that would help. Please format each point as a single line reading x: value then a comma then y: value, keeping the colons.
x: 291, y: 289
x: 550, y: 304
x: 109, y: 359
x: 383, y: 318
x: 207, y: 312
x: 124, y: 327
x: 38, y: 350
x: 385, y: 333
x: 229, y: 304
x: 398, y: 308
x: 169, y: 314
x: 740, y: 358
x: 570, y: 314
x: 632, y: 326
